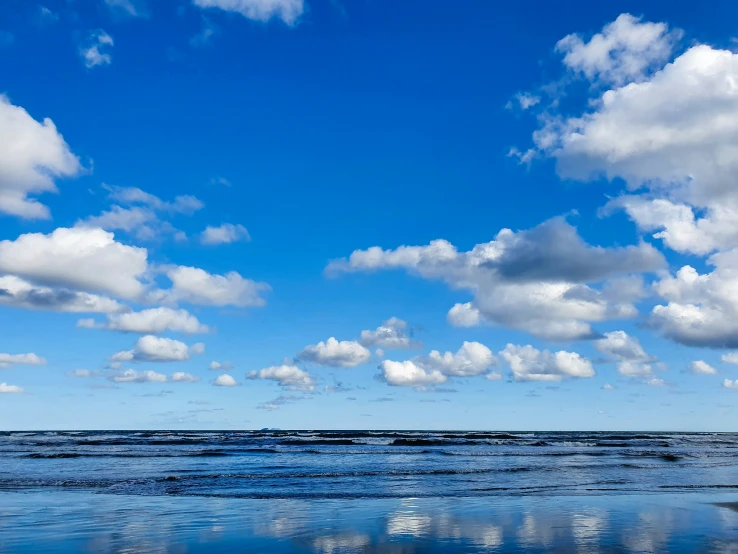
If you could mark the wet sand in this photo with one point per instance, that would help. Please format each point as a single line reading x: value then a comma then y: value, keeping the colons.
x: 65, y: 522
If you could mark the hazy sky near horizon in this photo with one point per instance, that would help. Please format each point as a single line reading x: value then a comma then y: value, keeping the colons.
x: 368, y: 214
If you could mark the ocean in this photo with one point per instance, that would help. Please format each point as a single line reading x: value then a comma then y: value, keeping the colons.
x: 368, y: 491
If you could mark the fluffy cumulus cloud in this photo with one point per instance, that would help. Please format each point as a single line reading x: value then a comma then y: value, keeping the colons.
x: 624, y: 51
x: 150, y: 348
x: 181, y: 377
x: 632, y: 360
x: 224, y: 234
x: 77, y: 259
x: 701, y: 367
x: 225, y: 380
x: 32, y: 155
x: 670, y: 134
x: 701, y: 309
x: 96, y: 49
x: 536, y: 280
x: 10, y: 389
x: 669, y: 131
x: 530, y: 364
x: 335, y: 354
x: 18, y: 293
x: 6, y: 360
x: 197, y: 286
x: 259, y: 10
x: 470, y: 360
x: 410, y: 374
x: 290, y: 377
x: 141, y: 214
x: 730, y: 384
x: 149, y: 322
x: 392, y: 334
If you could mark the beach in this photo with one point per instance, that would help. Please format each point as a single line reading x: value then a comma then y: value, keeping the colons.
x: 367, y: 491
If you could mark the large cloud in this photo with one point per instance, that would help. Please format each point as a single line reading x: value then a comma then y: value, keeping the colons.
x: 78, y: 259
x: 259, y: 10
x: 392, y: 334
x: 530, y: 364
x: 288, y: 376
x: 523, y: 280
x: 671, y: 132
x: 18, y: 293
x: 335, y: 354
x: 158, y: 349
x: 197, y: 286
x: 32, y: 155
x: 152, y: 321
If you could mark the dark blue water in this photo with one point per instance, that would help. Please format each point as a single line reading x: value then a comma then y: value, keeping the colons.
x: 372, y: 464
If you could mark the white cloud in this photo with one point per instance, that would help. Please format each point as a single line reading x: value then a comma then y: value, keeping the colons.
x: 530, y: 364
x: 149, y: 322
x: 158, y: 349
x: 225, y: 380
x: 728, y: 384
x: 181, y: 377
x: 672, y: 135
x: 79, y: 259
x: 259, y: 10
x: 409, y: 374
x: 288, y: 376
x: 702, y: 309
x: 133, y: 8
x: 607, y: 386
x: 523, y: 100
x: 225, y: 234
x: 624, y: 51
x: 531, y: 280
x: 464, y: 315
x: 221, y: 366
x: 132, y: 196
x: 16, y: 292
x: 82, y: 373
x: 10, y: 389
x: 7, y: 360
x: 96, y: 51
x: 471, y: 359
x: 392, y: 334
x: 197, y: 286
x: 336, y: 354
x: 632, y: 360
x: 141, y: 213
x: 700, y: 367
x: 133, y: 376
x: 32, y: 155
x: 494, y: 376
x: 730, y: 358
x: 654, y: 382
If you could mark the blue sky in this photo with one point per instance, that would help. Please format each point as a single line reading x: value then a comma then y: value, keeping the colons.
x: 320, y: 194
